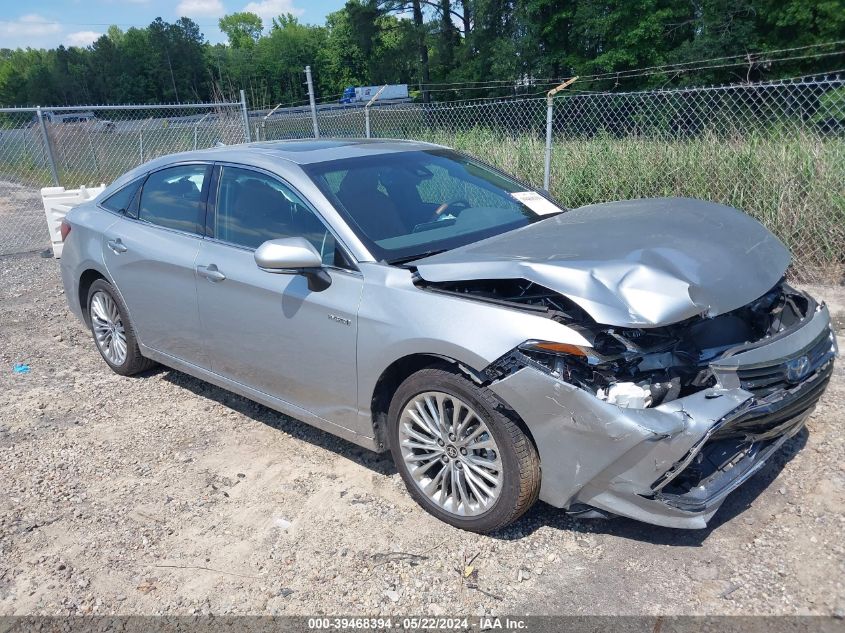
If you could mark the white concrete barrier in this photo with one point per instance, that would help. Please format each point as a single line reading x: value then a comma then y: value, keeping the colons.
x: 57, y: 202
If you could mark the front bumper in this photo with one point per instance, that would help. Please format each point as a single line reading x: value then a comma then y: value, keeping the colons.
x: 672, y: 465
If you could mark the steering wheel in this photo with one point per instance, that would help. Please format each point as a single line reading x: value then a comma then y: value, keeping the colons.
x: 455, y: 205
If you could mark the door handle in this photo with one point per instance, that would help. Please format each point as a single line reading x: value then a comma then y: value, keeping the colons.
x: 211, y: 273
x: 117, y: 246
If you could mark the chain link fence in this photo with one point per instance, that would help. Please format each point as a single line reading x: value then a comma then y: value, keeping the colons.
x: 87, y: 146
x: 775, y: 150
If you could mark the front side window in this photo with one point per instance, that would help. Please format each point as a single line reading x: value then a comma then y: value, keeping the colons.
x: 412, y: 204
x: 173, y: 198
x: 253, y: 207
x: 123, y: 200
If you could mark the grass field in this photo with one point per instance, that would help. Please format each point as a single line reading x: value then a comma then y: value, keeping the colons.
x: 794, y: 183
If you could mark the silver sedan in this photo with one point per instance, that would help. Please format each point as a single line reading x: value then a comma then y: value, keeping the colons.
x: 639, y: 358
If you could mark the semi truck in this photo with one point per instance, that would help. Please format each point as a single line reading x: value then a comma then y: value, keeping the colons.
x: 362, y: 94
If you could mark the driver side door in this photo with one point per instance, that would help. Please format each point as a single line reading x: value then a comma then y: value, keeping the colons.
x: 266, y: 330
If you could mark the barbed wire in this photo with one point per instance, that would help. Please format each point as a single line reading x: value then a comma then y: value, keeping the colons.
x: 570, y: 90
x: 756, y: 62
x: 614, y: 74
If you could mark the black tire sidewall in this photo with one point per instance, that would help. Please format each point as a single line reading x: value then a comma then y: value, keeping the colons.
x: 132, y: 354
x: 483, y: 405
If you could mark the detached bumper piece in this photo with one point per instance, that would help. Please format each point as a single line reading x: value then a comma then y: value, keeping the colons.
x: 739, y: 445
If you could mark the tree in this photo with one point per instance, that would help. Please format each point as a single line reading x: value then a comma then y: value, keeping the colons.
x: 242, y: 29
x: 622, y: 35
x: 506, y: 43
x: 448, y: 39
x: 378, y: 46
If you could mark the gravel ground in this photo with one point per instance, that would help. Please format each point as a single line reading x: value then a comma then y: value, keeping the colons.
x: 162, y: 494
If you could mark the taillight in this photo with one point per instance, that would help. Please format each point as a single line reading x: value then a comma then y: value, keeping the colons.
x: 64, y: 229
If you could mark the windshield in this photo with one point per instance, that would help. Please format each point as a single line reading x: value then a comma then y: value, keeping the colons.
x: 412, y: 204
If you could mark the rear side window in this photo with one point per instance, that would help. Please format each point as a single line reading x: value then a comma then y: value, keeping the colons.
x: 123, y: 200
x: 174, y: 198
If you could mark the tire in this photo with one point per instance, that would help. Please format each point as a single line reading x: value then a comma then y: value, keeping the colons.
x: 107, y: 321
x: 511, y: 459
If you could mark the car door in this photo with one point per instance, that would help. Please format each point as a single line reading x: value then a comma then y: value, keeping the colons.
x: 268, y: 330
x: 150, y: 253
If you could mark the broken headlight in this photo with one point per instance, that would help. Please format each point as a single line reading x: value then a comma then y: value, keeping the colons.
x: 609, y: 370
x: 640, y: 367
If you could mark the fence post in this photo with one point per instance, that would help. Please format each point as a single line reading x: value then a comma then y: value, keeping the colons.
x: 367, y: 109
x: 196, y: 128
x: 550, y: 95
x: 264, y: 121
x: 246, y: 117
x: 311, y: 100
x: 47, y: 147
x: 141, y: 139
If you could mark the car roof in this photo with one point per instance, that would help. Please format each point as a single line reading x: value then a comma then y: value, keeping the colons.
x: 273, y: 155
x: 307, y: 151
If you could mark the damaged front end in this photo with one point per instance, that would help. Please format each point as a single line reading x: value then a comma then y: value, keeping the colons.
x: 661, y: 424
x: 646, y: 367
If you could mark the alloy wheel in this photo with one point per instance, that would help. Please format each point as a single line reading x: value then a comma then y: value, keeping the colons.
x: 450, y: 453
x: 109, y: 332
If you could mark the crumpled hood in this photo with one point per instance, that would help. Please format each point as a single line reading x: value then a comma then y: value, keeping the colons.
x: 635, y: 263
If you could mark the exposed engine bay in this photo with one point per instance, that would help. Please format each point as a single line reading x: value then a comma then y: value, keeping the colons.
x: 634, y: 367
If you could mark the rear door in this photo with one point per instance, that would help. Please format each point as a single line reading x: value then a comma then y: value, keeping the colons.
x: 151, y: 255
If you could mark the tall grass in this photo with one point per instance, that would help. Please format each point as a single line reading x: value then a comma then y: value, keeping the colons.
x: 794, y: 184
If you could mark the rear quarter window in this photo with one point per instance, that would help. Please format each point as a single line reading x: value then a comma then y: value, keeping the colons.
x: 124, y: 200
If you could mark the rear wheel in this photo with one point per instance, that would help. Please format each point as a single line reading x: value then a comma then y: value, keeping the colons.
x: 112, y: 331
x: 462, y: 457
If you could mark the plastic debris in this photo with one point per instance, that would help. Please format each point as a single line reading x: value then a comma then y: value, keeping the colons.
x: 627, y: 395
x: 20, y: 368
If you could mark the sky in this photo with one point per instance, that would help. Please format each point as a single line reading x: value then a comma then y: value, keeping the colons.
x: 48, y: 23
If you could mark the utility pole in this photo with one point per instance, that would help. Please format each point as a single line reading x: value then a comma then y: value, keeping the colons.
x: 311, y: 99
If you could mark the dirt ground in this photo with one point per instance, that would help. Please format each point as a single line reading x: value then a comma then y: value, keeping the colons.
x: 161, y: 494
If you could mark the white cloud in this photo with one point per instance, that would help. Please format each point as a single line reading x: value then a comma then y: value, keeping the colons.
x: 30, y: 25
x: 200, y: 8
x: 82, y: 38
x: 269, y: 9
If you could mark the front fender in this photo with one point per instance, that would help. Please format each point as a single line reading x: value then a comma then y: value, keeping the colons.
x: 396, y: 319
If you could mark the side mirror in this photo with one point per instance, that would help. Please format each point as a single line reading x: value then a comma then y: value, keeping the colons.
x: 293, y: 256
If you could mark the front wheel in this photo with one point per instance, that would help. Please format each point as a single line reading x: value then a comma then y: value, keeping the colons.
x: 462, y: 457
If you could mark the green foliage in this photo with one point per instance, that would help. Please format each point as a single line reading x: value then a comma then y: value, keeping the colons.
x: 243, y: 29
x: 420, y: 42
x: 161, y: 63
x: 270, y: 68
